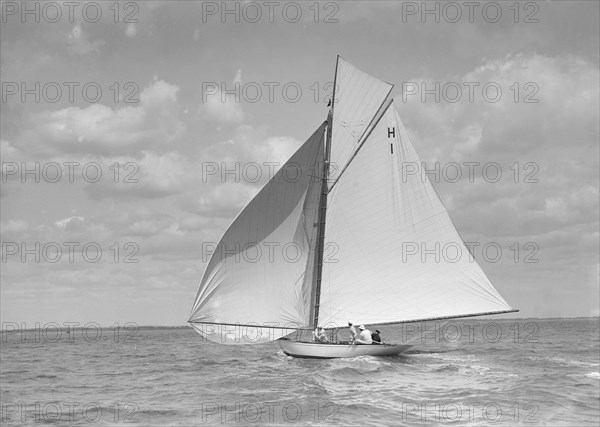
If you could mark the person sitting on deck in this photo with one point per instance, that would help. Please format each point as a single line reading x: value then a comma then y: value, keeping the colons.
x: 320, y: 335
x: 375, y: 337
x: 364, y: 337
x: 352, y: 332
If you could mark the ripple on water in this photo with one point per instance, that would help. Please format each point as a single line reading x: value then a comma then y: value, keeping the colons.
x: 171, y: 374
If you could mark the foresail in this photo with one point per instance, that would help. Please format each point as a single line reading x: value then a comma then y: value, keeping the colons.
x: 392, y: 252
x: 358, y: 97
x: 257, y: 285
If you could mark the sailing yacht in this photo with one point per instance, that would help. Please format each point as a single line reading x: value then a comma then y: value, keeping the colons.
x: 324, y: 241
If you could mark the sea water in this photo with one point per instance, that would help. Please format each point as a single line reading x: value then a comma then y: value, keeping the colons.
x: 459, y: 372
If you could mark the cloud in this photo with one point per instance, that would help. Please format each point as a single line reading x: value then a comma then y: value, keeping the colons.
x: 79, y: 42
x: 131, y: 30
x: 238, y: 77
x: 146, y: 231
x: 249, y: 144
x: 102, y: 130
x: 153, y: 175
x: 74, y: 223
x: 7, y: 150
x: 547, y: 150
x: 233, y: 170
x: 539, y: 94
x: 11, y: 162
x: 14, y: 226
x: 222, y: 200
x: 223, y: 100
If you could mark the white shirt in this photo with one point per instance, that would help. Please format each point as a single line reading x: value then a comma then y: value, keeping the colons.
x: 365, y: 335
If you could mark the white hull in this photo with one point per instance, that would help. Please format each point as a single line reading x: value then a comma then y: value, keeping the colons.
x: 332, y: 351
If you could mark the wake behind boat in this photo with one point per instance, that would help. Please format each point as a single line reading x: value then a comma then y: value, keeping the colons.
x: 364, y: 211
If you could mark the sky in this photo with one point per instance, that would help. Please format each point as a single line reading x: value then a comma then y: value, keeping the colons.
x: 122, y: 125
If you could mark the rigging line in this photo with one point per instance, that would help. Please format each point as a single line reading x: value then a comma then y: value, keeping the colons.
x: 364, y: 138
x: 373, y: 118
x: 360, y: 141
x: 249, y: 325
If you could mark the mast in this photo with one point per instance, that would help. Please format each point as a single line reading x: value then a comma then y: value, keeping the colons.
x: 322, y: 214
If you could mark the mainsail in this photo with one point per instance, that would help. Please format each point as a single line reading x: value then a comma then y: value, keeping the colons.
x: 387, y: 250
x: 394, y: 254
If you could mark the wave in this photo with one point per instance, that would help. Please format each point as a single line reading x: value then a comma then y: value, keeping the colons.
x: 430, y: 352
x: 563, y: 361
